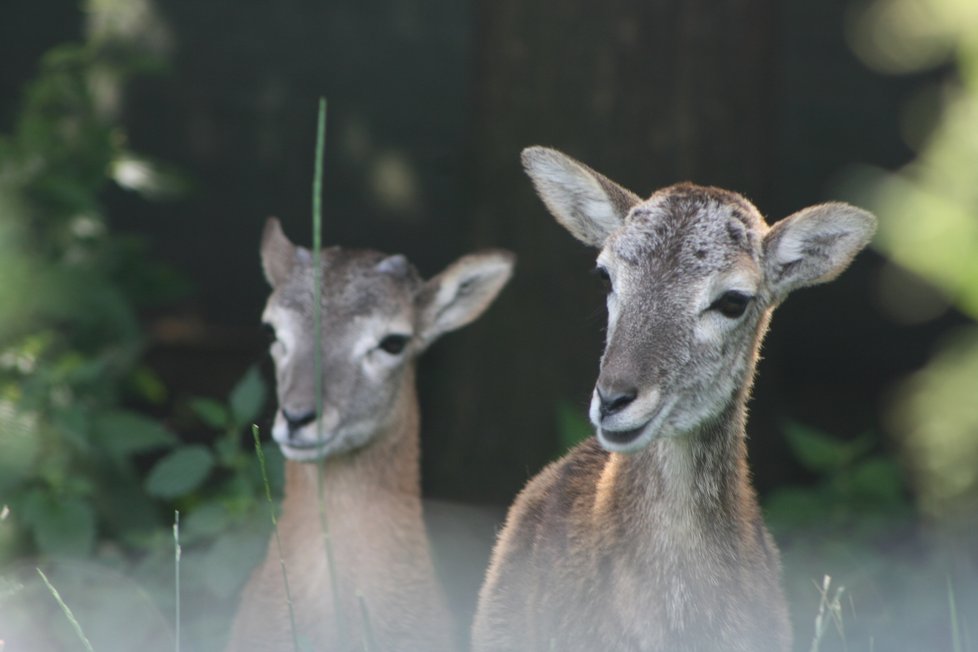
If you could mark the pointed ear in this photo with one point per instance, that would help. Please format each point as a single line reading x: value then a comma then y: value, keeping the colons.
x: 461, y: 292
x: 278, y: 254
x: 586, y: 203
x: 814, y: 245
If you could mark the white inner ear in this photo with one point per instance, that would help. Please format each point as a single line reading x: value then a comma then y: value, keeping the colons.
x: 599, y: 209
x: 574, y: 197
x: 791, y: 247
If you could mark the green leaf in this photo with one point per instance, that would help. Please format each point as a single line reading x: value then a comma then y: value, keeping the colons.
x: 823, y: 453
x: 127, y: 513
x: 205, y: 522
x: 572, y: 426
x: 20, y: 447
x: 61, y: 525
x: 125, y: 433
x: 247, y: 398
x: 790, y: 508
x: 147, y: 384
x: 877, y: 482
x: 211, y: 412
x: 180, y: 472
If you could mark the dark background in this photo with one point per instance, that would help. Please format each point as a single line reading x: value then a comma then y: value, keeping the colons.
x: 430, y: 104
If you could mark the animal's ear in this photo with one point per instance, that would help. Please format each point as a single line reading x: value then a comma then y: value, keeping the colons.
x: 586, y: 203
x: 461, y: 292
x: 814, y: 245
x: 278, y: 254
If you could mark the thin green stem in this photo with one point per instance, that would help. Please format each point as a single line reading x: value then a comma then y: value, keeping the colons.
x: 368, y: 643
x: 278, y: 541
x: 177, y: 551
x: 71, y: 617
x: 317, y: 244
x: 956, y: 645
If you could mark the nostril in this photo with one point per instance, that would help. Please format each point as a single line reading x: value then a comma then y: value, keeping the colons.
x: 615, y: 402
x: 297, y: 420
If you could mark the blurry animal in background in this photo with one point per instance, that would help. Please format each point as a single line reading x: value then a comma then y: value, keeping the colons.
x: 377, y: 316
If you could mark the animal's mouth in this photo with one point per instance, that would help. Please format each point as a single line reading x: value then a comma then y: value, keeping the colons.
x: 623, y: 437
x: 632, y: 439
x: 304, y: 451
x: 307, y: 445
x: 304, y: 446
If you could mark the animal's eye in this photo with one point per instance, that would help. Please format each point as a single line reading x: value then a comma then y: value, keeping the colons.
x: 731, y: 304
x: 269, y: 331
x: 602, y: 273
x: 394, y: 344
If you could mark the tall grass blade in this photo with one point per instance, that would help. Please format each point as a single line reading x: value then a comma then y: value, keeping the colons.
x: 956, y: 645
x: 829, y: 611
x: 71, y: 617
x: 278, y: 541
x: 317, y: 245
x: 177, y: 551
x: 368, y: 642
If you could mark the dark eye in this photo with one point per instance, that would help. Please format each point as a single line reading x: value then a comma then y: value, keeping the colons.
x: 731, y: 304
x: 268, y: 331
x: 602, y: 273
x: 394, y: 344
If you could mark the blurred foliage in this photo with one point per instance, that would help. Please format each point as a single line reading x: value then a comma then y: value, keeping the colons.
x: 929, y: 227
x: 856, y: 524
x: 88, y: 485
x: 859, y: 490
x: 70, y: 342
x: 573, y: 427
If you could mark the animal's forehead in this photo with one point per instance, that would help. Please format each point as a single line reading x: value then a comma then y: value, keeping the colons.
x: 690, y: 228
x: 354, y: 284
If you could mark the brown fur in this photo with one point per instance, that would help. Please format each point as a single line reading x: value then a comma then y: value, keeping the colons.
x: 372, y: 499
x: 663, y: 549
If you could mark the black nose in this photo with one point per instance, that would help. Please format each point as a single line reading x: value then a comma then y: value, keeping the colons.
x: 615, y: 401
x: 296, y: 421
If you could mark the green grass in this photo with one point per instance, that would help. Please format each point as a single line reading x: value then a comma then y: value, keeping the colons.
x: 177, y: 553
x: 278, y: 541
x: 67, y: 612
x: 317, y: 245
x: 829, y: 611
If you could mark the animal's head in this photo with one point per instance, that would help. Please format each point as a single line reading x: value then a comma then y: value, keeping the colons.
x: 693, y: 274
x: 377, y: 315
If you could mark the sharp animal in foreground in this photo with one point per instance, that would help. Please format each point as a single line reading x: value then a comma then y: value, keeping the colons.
x: 649, y: 537
x: 377, y: 316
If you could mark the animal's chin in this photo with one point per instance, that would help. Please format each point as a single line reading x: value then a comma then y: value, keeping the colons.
x: 305, y: 452
x: 624, y: 441
x: 623, y: 438
x: 306, y: 447
x: 633, y: 439
x: 330, y: 444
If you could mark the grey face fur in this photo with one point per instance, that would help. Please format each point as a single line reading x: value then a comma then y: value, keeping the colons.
x: 694, y: 273
x: 377, y: 316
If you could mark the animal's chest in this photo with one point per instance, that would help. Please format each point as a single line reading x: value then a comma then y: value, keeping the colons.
x: 644, y: 592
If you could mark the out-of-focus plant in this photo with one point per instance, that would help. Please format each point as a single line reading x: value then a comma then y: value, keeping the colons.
x: 857, y: 524
x: 87, y: 484
x: 929, y: 227
x: 860, y: 491
x: 70, y: 343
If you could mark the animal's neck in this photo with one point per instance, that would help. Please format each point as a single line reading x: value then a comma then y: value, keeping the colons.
x: 696, y: 479
x: 386, y: 469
